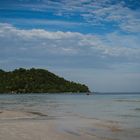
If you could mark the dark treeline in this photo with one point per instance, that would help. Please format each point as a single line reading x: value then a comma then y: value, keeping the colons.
x: 36, y: 81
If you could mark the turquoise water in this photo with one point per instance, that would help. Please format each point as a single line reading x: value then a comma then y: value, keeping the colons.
x: 124, y: 108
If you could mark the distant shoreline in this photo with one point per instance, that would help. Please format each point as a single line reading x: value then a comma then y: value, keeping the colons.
x: 66, y: 93
x: 115, y: 93
x: 76, y: 93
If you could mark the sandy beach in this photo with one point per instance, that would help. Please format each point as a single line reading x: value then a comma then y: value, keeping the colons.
x: 69, y: 117
x: 25, y: 125
x: 15, y: 125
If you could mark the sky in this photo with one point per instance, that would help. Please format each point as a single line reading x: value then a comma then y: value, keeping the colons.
x: 94, y: 42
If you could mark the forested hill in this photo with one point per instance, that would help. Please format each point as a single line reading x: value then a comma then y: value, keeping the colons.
x: 36, y: 81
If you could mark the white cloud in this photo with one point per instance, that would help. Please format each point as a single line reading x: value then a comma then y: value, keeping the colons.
x: 71, y: 43
x: 43, y: 22
x: 97, y: 12
x: 126, y: 18
x: 92, y: 11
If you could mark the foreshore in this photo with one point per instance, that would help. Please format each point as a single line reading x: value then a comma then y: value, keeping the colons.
x: 25, y: 125
x: 15, y: 125
x: 69, y: 117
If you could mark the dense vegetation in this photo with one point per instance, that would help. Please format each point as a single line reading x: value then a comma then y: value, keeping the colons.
x: 36, y: 81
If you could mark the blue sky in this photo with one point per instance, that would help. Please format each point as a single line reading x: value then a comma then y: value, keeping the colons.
x: 95, y: 42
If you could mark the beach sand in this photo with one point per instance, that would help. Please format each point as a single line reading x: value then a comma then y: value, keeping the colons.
x: 28, y: 125
x: 21, y: 125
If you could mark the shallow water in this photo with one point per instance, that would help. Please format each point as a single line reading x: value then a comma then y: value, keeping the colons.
x: 123, y: 109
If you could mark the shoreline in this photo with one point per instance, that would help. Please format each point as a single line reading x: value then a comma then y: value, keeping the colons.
x: 37, y: 117
x: 65, y: 93
x: 28, y: 125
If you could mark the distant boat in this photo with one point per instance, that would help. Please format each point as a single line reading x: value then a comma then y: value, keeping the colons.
x: 87, y: 94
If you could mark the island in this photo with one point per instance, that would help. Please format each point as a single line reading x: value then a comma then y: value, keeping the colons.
x: 37, y: 81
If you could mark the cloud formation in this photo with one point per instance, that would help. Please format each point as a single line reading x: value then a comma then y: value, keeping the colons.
x: 43, y: 42
x: 121, y: 13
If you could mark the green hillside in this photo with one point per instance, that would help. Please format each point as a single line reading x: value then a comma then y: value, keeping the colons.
x: 36, y: 81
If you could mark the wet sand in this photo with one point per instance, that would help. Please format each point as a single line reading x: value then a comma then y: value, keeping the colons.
x: 15, y: 125
x: 30, y: 125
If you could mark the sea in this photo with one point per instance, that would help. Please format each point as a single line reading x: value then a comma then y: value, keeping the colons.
x: 113, y: 107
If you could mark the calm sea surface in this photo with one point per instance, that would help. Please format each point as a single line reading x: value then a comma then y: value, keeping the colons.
x: 124, y: 108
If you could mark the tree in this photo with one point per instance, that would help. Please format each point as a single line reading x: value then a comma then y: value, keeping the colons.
x: 36, y: 81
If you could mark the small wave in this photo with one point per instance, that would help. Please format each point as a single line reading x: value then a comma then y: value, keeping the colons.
x: 72, y: 132
x: 38, y: 113
x: 137, y: 109
x: 122, y: 100
x: 131, y: 116
x: 12, y: 114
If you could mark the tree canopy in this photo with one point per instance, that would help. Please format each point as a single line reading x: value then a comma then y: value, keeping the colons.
x: 36, y: 81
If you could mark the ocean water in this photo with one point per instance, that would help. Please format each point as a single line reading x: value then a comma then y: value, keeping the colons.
x: 116, y: 107
x: 121, y: 108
